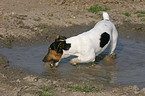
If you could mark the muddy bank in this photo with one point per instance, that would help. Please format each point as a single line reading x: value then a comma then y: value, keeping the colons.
x: 126, y: 30
x: 42, y: 20
x: 15, y: 82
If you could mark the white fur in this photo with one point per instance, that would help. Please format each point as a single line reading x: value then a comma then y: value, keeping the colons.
x: 87, y: 45
x: 105, y: 15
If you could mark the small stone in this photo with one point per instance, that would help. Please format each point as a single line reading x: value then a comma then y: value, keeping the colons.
x: 12, y: 13
x: 18, y: 80
x: 54, y: 82
x: 72, y: 16
x: 136, y: 92
x: 35, y: 28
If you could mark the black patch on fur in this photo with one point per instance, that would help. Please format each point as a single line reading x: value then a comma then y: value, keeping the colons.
x: 60, y: 38
x: 59, y: 46
x: 105, y: 37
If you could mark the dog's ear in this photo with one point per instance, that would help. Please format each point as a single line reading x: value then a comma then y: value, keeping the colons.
x: 59, y: 38
x: 67, y: 46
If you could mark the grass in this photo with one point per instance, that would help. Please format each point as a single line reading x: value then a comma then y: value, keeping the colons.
x: 45, y: 88
x: 96, y: 9
x: 49, y: 18
x: 84, y: 88
x: 44, y: 91
x: 140, y: 15
x: 127, y: 21
x: 45, y: 94
x: 143, y: 19
x: 127, y: 14
x: 141, y: 12
x: 1, y: 36
x: 100, y: 16
x: 42, y: 26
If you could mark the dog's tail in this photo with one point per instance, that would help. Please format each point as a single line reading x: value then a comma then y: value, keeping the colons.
x: 105, y: 16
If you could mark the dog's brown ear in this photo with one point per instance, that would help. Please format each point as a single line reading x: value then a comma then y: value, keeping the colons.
x: 59, y: 38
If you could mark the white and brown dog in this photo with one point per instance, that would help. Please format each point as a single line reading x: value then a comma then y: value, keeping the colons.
x: 86, y: 45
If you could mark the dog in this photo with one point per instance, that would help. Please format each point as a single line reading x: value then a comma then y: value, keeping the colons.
x: 85, y: 46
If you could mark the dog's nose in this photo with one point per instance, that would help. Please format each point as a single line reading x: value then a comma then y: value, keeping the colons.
x: 45, y: 59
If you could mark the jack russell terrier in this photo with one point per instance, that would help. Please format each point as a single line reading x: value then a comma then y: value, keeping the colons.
x: 85, y: 46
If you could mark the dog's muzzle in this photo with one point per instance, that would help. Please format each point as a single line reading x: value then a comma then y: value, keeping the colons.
x: 52, y: 63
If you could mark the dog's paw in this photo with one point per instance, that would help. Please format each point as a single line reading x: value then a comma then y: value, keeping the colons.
x: 113, y: 55
x: 74, y: 61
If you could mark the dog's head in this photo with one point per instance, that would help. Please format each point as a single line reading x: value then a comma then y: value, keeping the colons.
x: 55, y: 51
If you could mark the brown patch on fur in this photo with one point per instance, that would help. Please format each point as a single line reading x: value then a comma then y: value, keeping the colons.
x: 52, y: 55
x: 57, y: 36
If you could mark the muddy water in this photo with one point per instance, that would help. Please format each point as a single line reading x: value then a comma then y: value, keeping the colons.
x: 127, y: 69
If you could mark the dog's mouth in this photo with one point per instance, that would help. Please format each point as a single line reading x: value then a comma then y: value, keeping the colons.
x: 52, y: 63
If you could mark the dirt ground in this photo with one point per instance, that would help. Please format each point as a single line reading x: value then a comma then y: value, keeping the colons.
x: 26, y: 22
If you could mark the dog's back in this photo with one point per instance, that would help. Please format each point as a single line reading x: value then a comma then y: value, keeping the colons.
x: 98, y: 38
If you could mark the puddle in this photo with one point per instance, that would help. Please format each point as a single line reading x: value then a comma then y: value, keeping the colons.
x: 130, y: 62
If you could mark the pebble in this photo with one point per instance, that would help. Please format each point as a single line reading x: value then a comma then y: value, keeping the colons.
x: 18, y: 80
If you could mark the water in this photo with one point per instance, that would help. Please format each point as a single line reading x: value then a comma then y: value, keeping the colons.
x: 132, y: 62
x: 127, y: 69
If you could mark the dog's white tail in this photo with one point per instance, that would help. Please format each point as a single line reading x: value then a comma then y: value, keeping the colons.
x: 105, y: 16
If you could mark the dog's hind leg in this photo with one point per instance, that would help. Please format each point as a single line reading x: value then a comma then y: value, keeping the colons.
x: 114, y: 38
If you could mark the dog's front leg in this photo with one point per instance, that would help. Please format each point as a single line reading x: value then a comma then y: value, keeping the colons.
x: 75, y: 61
x: 113, y: 55
x: 82, y: 59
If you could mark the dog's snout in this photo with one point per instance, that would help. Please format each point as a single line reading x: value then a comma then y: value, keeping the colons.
x: 45, y: 59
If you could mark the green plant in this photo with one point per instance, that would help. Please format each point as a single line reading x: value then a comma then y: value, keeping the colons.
x: 49, y: 18
x: 34, y: 92
x: 140, y: 15
x: 42, y: 26
x: 58, y: 18
x: 96, y: 9
x: 1, y: 36
x: 127, y: 14
x: 143, y: 19
x: 45, y: 88
x: 141, y: 12
x: 45, y: 94
x: 100, y: 16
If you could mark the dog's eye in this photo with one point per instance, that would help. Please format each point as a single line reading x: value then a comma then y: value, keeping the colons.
x: 60, y: 45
